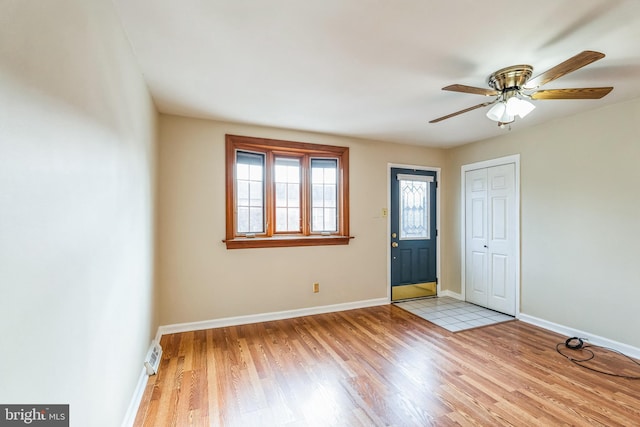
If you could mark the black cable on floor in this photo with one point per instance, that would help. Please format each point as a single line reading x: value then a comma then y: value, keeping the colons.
x: 576, y: 343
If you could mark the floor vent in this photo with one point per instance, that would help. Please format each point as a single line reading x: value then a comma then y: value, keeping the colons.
x: 153, y: 358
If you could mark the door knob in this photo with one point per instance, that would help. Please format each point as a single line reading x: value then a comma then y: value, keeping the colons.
x: 394, y: 244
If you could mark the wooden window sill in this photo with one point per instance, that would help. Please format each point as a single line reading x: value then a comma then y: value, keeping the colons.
x: 285, y: 241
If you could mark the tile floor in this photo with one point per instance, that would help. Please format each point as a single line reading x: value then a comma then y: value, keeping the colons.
x: 452, y: 314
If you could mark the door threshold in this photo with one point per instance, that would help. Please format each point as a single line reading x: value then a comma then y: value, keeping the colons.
x: 398, y: 301
x: 413, y: 291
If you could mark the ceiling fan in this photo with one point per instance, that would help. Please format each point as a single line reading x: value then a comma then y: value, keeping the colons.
x: 513, y: 86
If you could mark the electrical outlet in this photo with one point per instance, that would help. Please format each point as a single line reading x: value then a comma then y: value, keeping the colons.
x: 316, y: 288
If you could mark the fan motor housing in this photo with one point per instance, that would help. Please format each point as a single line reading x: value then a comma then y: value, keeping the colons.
x: 514, y: 76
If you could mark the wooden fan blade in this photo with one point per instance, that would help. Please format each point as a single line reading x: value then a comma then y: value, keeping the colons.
x: 471, y: 89
x: 572, y: 64
x: 448, y: 116
x: 579, y: 93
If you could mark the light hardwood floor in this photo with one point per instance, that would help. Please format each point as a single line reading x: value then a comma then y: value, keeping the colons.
x: 380, y: 366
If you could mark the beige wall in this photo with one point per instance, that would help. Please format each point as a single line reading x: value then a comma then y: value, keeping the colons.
x: 77, y: 131
x: 580, y: 218
x: 201, y: 280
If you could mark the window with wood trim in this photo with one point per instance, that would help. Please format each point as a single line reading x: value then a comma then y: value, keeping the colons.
x: 284, y: 193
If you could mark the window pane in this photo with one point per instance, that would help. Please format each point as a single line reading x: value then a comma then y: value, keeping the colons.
x: 281, y: 194
x: 256, y: 220
x: 255, y: 193
x: 243, y: 193
x: 288, y: 219
x: 330, y: 175
x: 293, y: 173
x: 326, y: 170
x: 242, y: 171
x: 330, y: 219
x: 317, y: 195
x: 280, y: 173
x: 249, y: 192
x: 293, y: 219
x: 330, y: 196
x: 318, y: 217
x: 287, y: 170
x: 293, y: 195
x: 255, y: 173
x: 287, y: 184
x: 317, y: 175
x: 243, y: 220
x: 414, y: 209
x: 324, y: 195
x: 281, y: 218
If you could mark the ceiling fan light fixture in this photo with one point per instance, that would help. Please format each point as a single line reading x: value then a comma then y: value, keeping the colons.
x: 519, y: 107
x: 499, y: 113
x: 496, y: 111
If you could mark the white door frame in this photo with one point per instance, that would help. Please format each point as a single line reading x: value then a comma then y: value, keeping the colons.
x: 438, y: 228
x: 515, y: 159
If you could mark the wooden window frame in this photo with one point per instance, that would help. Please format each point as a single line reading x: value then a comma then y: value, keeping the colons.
x: 277, y: 148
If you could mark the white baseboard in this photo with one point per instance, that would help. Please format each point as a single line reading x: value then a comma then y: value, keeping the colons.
x: 592, y: 339
x: 265, y: 317
x: 447, y: 293
x: 132, y: 410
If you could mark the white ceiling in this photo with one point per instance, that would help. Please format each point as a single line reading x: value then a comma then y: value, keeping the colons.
x: 374, y: 68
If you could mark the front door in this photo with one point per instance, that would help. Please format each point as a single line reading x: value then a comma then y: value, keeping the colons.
x: 413, y: 233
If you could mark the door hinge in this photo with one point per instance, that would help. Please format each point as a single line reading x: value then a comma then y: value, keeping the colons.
x: 436, y: 182
x: 436, y: 233
x: 436, y: 280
